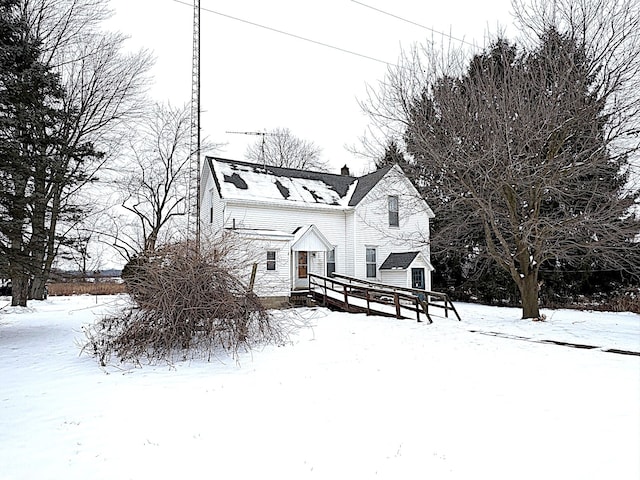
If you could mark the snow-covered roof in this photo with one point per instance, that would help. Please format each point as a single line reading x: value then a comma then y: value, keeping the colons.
x: 250, y: 181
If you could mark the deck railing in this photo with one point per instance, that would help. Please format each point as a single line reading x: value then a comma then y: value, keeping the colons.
x: 356, y: 295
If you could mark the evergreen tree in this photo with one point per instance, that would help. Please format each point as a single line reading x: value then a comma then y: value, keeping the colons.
x: 392, y: 156
x: 37, y: 161
x: 514, y: 158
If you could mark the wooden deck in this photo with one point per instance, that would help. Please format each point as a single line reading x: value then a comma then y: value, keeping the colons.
x: 360, y: 296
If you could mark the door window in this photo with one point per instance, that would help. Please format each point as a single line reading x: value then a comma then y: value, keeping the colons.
x: 302, y: 264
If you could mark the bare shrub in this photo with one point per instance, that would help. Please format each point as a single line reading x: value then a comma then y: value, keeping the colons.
x: 184, y: 304
x: 627, y: 301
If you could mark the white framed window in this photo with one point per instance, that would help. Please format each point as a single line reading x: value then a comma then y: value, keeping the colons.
x: 331, y: 262
x: 211, y: 200
x: 271, y: 259
x: 394, y: 211
x: 371, y: 262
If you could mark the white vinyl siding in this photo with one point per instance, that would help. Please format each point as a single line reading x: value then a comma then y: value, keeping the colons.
x: 212, y: 212
x: 259, y: 249
x: 397, y: 278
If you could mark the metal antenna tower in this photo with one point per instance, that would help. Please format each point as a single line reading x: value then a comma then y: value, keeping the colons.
x: 194, y: 158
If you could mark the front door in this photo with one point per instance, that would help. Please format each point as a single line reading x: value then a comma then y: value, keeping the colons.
x: 417, y: 281
x: 302, y: 269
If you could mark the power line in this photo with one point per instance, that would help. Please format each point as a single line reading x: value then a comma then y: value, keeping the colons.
x: 293, y: 35
x: 414, y: 23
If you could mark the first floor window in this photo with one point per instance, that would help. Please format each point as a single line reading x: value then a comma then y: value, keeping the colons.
x: 331, y: 262
x: 371, y: 262
x: 417, y: 278
x: 271, y: 260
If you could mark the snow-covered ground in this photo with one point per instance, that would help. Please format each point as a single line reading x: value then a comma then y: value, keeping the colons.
x: 351, y: 397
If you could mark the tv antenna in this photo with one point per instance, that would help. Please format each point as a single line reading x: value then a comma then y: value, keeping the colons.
x: 194, y: 142
x: 262, y: 134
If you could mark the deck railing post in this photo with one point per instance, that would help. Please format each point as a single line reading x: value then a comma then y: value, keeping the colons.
x: 346, y: 297
x: 324, y: 299
x: 396, y: 300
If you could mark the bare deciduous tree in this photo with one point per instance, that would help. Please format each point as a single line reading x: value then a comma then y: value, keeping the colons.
x: 523, y: 154
x: 103, y: 89
x: 281, y: 148
x: 155, y: 186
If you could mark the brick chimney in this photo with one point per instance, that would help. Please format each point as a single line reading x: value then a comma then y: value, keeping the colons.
x: 344, y: 171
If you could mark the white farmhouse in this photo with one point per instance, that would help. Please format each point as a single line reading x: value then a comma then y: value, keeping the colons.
x: 294, y: 222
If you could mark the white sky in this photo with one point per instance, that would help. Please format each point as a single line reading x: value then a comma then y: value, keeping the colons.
x: 254, y: 79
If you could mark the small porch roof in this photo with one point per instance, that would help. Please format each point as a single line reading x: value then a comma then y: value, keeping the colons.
x: 403, y: 261
x: 259, y: 233
x: 310, y: 239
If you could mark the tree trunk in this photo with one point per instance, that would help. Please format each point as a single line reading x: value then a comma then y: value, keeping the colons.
x: 529, y: 294
x: 19, y: 290
x: 37, y: 291
x: 150, y: 241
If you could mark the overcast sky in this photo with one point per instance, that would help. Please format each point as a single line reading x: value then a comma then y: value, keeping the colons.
x: 255, y: 79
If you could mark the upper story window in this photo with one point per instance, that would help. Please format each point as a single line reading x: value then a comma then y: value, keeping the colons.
x: 371, y: 262
x: 211, y: 199
x: 394, y: 217
x: 271, y: 259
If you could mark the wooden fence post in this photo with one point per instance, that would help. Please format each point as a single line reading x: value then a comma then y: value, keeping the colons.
x: 252, y: 280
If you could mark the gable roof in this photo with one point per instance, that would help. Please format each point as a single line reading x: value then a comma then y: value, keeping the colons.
x: 250, y: 181
x: 366, y: 183
x: 311, y: 239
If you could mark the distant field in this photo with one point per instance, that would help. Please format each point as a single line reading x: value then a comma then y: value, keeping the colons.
x: 84, y: 288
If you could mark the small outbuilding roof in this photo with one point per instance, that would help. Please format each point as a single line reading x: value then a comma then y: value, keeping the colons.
x: 399, y: 261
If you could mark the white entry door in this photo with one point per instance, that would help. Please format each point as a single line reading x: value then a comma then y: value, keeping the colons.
x: 301, y: 272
